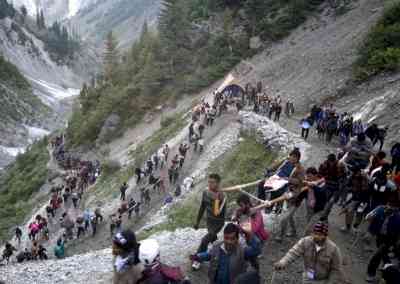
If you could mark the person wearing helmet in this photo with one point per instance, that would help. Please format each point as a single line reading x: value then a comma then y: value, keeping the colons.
x: 228, y: 259
x: 156, y: 272
x: 127, y: 267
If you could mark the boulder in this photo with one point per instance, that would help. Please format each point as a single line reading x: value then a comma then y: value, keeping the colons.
x: 255, y: 42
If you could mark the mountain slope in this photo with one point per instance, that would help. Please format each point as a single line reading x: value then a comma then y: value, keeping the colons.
x: 19, y: 106
x: 54, y: 10
x: 23, y: 45
x: 124, y: 17
x: 312, y: 65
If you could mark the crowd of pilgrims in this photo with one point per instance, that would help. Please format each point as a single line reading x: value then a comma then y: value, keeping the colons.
x: 329, y: 123
x: 65, y: 210
x: 362, y: 182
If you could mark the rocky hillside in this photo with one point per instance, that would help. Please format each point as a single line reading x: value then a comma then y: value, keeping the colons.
x: 312, y: 64
x: 315, y: 64
x: 93, y: 19
x: 19, y: 106
x: 28, y: 48
x: 123, y: 17
x: 55, y: 10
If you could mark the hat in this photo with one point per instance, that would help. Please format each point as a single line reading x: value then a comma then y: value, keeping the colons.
x: 321, y: 228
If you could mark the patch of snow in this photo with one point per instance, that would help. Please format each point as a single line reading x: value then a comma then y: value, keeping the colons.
x: 56, y: 91
x: 12, y: 151
x: 36, y: 133
x: 73, y: 7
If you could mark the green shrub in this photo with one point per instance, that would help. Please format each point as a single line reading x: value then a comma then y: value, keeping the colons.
x: 18, y: 103
x: 9, y: 73
x: 245, y: 163
x: 21, y: 181
x: 154, y: 142
x: 381, y: 49
x: 167, y: 121
x: 110, y: 167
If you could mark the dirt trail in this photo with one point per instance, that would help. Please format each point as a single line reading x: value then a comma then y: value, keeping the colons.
x: 102, y: 238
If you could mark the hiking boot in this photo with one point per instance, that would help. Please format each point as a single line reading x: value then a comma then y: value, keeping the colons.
x: 291, y: 234
x: 345, y: 229
x: 371, y: 279
x: 196, y: 265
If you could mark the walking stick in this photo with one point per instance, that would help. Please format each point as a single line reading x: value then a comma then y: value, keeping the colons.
x: 273, y: 277
x: 251, y: 196
x: 239, y: 187
x: 358, y: 236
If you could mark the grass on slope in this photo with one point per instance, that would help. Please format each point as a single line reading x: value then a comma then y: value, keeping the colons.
x: 170, y: 126
x: 22, y: 179
x: 381, y: 49
x: 246, y: 162
x: 113, y: 176
x: 18, y: 102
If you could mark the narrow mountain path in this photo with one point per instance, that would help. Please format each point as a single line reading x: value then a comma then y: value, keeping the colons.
x: 102, y: 239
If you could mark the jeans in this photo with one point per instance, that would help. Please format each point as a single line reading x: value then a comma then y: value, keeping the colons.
x: 351, y: 212
x: 304, y: 133
x: 381, y: 141
x: 213, y: 228
x: 288, y: 218
x: 381, y: 254
x: 81, y: 231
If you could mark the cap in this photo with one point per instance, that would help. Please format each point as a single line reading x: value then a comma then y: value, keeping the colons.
x: 321, y: 228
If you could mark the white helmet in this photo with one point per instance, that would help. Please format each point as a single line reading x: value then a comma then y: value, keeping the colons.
x: 149, y: 252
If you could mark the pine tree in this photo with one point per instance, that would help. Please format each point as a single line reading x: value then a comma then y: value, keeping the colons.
x: 42, y: 20
x: 24, y: 13
x: 110, y: 55
x: 256, y: 11
x: 174, y: 27
x: 144, y: 33
x: 38, y: 18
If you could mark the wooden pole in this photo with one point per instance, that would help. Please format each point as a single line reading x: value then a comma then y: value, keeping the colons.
x: 239, y: 187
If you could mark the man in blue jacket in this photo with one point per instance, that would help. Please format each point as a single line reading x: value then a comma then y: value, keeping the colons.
x: 385, y: 225
x: 228, y: 259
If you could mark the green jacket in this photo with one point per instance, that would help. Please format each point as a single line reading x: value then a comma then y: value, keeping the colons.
x: 59, y: 251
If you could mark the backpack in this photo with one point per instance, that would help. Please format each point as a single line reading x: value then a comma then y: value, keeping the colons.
x: 172, y: 274
x: 332, y: 125
x: 396, y: 151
